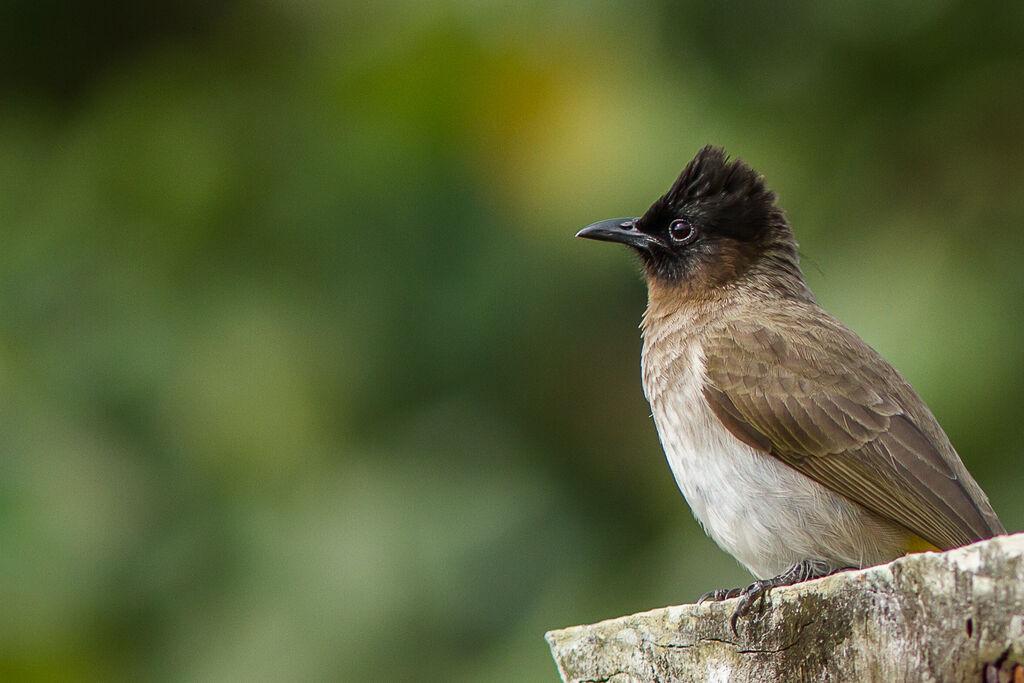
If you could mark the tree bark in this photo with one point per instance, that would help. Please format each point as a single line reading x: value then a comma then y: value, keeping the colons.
x: 924, y: 617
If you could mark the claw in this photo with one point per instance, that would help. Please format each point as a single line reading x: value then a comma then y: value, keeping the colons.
x: 753, y: 594
x: 719, y: 594
x: 757, y: 592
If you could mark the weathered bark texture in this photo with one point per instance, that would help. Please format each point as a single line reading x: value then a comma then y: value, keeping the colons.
x: 924, y: 617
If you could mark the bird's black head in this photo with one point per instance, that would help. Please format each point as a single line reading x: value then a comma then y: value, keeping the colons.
x: 716, y: 224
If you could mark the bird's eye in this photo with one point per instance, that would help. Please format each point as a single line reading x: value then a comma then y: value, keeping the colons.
x: 681, y: 231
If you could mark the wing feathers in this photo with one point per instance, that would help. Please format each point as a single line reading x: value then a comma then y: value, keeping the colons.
x: 822, y: 401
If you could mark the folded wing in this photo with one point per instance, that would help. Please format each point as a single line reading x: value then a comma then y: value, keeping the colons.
x: 822, y: 401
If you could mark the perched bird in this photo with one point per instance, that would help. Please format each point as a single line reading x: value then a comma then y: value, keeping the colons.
x: 801, y: 451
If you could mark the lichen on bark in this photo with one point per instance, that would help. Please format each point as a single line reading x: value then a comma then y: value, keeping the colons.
x: 926, y: 617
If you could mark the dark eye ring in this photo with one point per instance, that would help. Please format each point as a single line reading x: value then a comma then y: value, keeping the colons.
x: 681, y: 231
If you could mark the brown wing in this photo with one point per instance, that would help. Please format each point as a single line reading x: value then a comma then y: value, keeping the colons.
x: 822, y: 401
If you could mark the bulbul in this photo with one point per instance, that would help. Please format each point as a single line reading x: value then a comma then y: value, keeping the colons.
x: 801, y: 451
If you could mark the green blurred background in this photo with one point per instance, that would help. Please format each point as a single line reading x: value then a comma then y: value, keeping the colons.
x: 304, y: 375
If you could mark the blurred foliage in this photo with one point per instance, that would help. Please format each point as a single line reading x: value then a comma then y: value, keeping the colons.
x: 304, y: 376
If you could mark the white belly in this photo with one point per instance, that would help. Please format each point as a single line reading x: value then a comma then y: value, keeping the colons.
x: 758, y: 509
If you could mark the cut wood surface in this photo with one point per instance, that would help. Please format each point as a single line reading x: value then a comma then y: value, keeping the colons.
x: 923, y: 617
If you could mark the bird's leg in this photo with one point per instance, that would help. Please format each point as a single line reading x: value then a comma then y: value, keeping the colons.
x: 720, y: 594
x: 757, y: 591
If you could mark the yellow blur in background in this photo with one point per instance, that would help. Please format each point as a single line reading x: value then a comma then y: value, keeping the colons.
x: 304, y: 377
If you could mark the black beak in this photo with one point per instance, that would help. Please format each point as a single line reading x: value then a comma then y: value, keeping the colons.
x: 621, y: 230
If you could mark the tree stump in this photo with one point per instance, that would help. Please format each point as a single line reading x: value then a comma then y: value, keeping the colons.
x: 924, y: 617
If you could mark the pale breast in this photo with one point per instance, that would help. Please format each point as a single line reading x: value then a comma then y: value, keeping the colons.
x: 761, y: 511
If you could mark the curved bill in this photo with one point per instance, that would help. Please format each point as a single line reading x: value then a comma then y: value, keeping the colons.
x: 621, y: 230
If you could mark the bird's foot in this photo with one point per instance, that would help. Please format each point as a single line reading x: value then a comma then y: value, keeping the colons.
x: 755, y: 593
x: 720, y: 594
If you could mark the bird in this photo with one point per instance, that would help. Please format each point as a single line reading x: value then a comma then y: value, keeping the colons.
x: 799, y: 449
